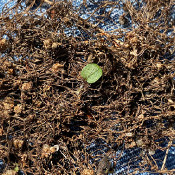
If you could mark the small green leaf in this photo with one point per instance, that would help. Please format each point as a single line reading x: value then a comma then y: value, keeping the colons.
x: 16, y: 168
x: 91, y: 72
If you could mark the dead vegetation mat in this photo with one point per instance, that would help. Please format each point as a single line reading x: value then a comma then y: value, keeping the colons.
x: 50, y: 116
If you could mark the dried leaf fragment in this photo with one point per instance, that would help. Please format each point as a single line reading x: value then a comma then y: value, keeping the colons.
x: 57, y: 67
x: 104, y: 166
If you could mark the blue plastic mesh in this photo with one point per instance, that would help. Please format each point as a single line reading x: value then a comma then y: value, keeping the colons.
x: 130, y: 156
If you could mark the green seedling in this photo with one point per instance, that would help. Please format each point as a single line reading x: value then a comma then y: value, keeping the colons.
x: 91, y: 73
x: 16, y: 168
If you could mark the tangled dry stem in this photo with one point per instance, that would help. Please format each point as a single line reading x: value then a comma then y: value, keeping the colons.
x: 49, y: 115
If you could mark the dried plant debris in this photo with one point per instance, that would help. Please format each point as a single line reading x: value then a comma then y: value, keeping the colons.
x: 50, y: 117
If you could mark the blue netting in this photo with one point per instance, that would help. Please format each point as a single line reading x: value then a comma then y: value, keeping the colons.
x: 130, y: 156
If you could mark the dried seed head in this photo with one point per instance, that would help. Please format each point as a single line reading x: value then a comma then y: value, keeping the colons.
x: 10, y: 71
x: 8, y: 104
x: 151, y: 152
x: 18, y: 143
x: 87, y: 172
x: 30, y: 117
x: 7, y: 63
x: 159, y: 65
x: 141, y: 116
x: 4, y: 45
x: 1, y: 131
x: 55, y: 45
x: 91, y: 58
x: 130, y: 145
x: 6, y: 114
x: 18, y: 109
x: 129, y: 134
x: 45, y: 151
x: 139, y: 142
x: 9, y: 172
x: 24, y: 159
x: 27, y: 86
x: 134, y: 40
x: 47, y: 43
